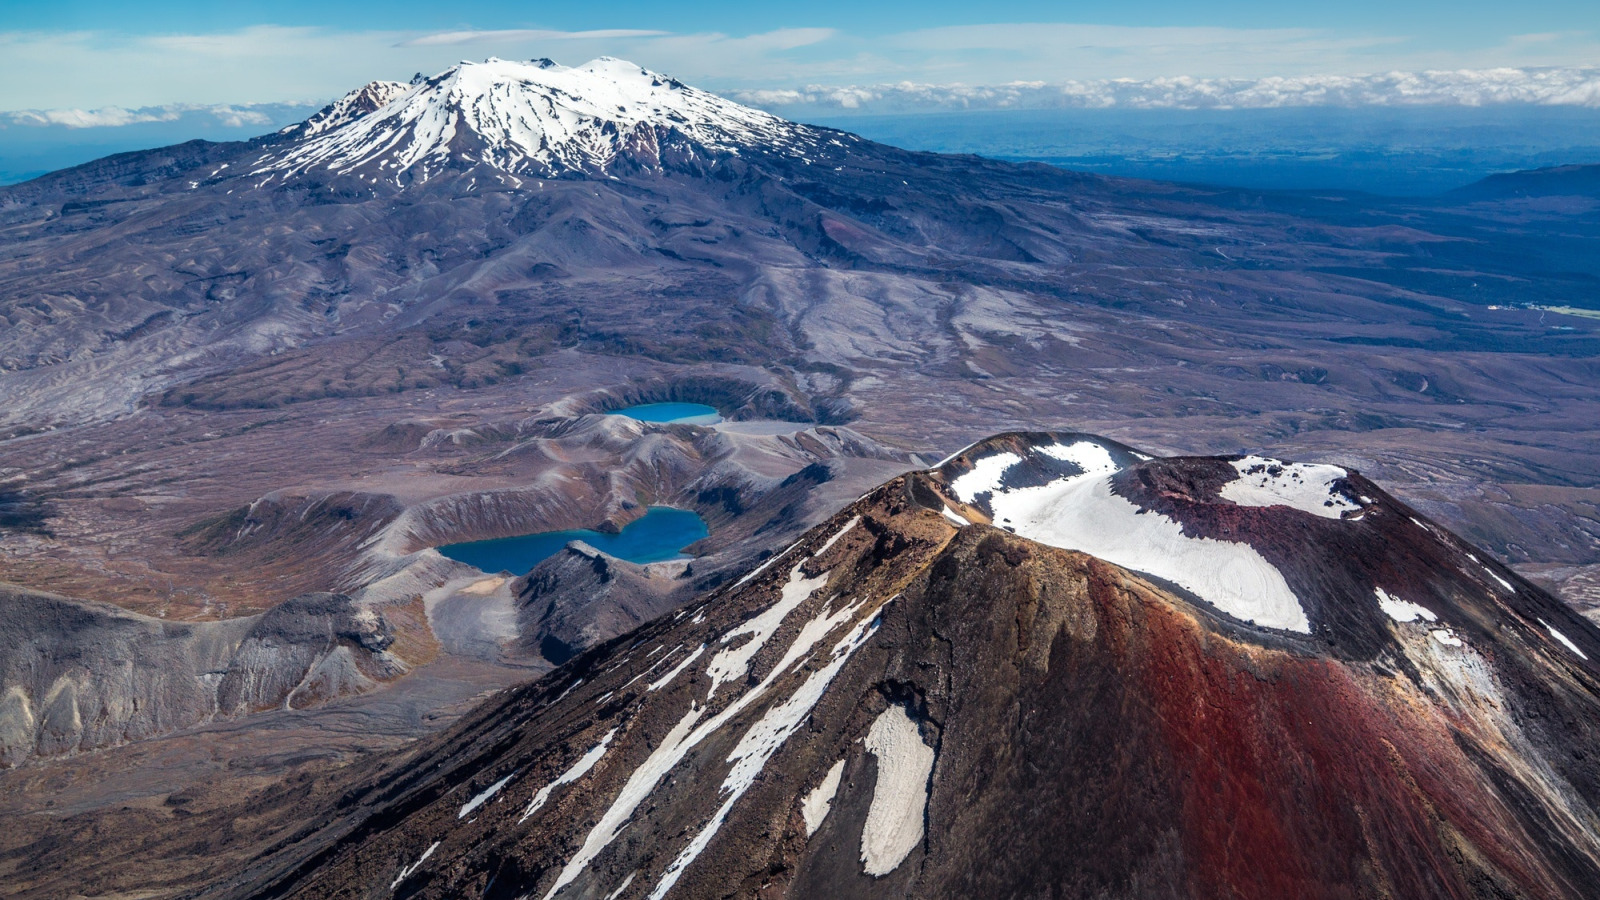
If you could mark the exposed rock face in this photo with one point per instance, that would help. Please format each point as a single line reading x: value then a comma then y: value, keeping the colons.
x: 309, y: 650
x: 913, y: 702
x: 76, y: 675
x: 581, y: 596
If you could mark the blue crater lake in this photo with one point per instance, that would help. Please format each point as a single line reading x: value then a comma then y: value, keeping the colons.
x: 686, y: 413
x: 660, y: 535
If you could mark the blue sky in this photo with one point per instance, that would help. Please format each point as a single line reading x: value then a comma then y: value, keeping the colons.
x: 1460, y: 23
x: 91, y: 54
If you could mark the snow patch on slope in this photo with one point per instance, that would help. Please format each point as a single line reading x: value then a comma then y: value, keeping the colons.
x: 482, y: 798
x: 689, y: 732
x: 1402, y: 610
x: 578, y: 770
x: 666, y: 679
x: 834, y: 538
x: 900, y: 796
x: 1563, y: 639
x: 734, y: 662
x: 765, y: 737
x: 1303, y: 486
x: 984, y: 477
x: 1092, y: 458
x: 814, y: 808
x: 764, y: 566
x: 407, y: 871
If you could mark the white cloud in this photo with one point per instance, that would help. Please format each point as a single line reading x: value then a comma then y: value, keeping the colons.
x: 1576, y: 86
x: 263, y: 116
x: 109, y: 117
x: 455, y: 38
x: 1011, y: 63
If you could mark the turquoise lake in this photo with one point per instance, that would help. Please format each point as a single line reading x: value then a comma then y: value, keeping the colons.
x: 660, y: 535
x: 688, y: 413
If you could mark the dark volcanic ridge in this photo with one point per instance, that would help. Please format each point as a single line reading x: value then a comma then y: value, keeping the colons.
x: 911, y: 701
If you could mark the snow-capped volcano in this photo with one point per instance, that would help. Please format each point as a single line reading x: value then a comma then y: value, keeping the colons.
x: 525, y: 118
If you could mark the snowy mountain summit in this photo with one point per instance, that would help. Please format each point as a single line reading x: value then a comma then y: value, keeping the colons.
x: 524, y: 119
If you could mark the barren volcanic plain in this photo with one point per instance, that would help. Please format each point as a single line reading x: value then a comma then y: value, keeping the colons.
x: 232, y: 375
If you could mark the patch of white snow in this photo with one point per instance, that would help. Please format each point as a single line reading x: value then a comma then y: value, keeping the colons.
x: 984, y: 477
x: 1563, y: 639
x: 483, y: 797
x: 577, y: 770
x: 623, y: 886
x: 1303, y: 486
x: 1403, y: 610
x: 814, y: 808
x: 1503, y: 583
x: 770, y: 732
x: 900, y: 796
x: 1092, y: 458
x: 1081, y: 513
x: 685, y: 736
x: 828, y: 544
x: 733, y: 662
x: 666, y: 679
x: 408, y: 870
x: 763, y: 567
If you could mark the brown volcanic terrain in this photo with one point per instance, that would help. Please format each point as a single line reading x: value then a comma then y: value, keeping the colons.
x: 1333, y: 327
x: 1004, y: 717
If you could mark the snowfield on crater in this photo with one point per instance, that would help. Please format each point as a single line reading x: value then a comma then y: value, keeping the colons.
x: 984, y: 477
x: 1081, y: 513
x: 1303, y: 486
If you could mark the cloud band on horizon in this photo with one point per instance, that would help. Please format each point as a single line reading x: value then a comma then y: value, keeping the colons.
x: 952, y: 66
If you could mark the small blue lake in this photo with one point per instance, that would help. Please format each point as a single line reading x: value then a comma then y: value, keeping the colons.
x: 686, y: 413
x: 660, y: 535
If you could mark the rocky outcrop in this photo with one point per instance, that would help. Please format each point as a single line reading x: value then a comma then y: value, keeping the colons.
x: 581, y: 596
x: 77, y: 675
x: 309, y: 650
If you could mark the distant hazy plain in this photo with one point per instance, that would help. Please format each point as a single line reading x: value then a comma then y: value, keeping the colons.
x: 1394, y: 151
x: 1398, y: 151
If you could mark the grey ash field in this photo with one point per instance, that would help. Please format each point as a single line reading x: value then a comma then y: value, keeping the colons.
x: 238, y: 375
